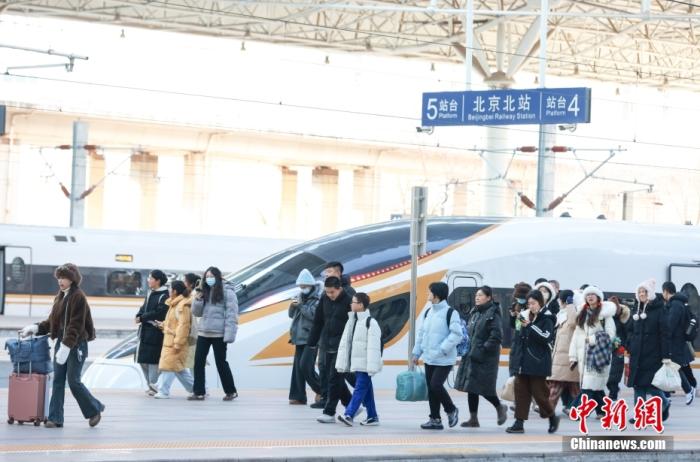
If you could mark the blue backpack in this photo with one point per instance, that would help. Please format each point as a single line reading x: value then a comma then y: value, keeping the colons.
x: 464, y: 344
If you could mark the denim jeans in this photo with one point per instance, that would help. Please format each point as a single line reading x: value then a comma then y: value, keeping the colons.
x: 150, y: 372
x: 363, y: 394
x: 642, y: 392
x: 303, y: 372
x: 70, y: 371
x: 166, y: 379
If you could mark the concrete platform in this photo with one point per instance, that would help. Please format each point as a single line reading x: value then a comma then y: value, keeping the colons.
x: 260, y: 425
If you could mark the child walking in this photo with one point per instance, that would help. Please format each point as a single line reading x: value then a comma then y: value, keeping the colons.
x: 360, y: 351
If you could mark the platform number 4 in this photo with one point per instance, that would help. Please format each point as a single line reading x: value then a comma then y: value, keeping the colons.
x: 573, y: 106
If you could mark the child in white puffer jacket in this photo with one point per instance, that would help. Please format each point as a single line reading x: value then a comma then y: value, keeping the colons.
x: 360, y: 351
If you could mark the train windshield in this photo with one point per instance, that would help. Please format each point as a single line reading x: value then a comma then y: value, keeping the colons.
x: 361, y: 250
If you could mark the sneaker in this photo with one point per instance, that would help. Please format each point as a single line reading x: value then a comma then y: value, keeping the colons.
x: 49, y: 424
x: 231, y: 396
x: 453, y: 418
x: 318, y: 405
x: 160, y: 395
x: 150, y: 392
x: 326, y: 419
x: 346, y: 419
x: 689, y: 397
x: 195, y: 398
x: 153, y: 387
x: 432, y: 424
x: 370, y: 422
x: 296, y: 402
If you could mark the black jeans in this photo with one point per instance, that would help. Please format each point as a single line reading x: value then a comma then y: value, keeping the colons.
x: 303, y: 372
x: 200, y: 362
x: 687, y: 378
x: 435, y: 377
x: 323, y: 374
x: 70, y: 371
x: 473, y: 401
x: 337, y: 390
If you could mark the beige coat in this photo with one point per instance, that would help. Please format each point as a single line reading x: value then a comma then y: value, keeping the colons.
x: 566, y: 325
x: 176, y: 330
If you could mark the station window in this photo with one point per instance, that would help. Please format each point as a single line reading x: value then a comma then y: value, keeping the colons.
x: 391, y: 314
x: 124, y: 283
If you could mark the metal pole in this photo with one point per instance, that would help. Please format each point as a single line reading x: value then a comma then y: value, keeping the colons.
x: 469, y: 47
x: 539, y: 205
x: 78, y: 180
x: 417, y: 242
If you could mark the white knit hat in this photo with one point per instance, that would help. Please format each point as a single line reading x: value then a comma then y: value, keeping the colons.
x: 306, y: 278
x: 593, y: 290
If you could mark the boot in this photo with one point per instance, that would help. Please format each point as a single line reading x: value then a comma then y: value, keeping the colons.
x: 553, y: 423
x: 517, y: 427
x: 502, y: 414
x: 473, y: 421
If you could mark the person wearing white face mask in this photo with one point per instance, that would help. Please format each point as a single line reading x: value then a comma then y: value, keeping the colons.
x: 302, y: 311
x: 217, y: 306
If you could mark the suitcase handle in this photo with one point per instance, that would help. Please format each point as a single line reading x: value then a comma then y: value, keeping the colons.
x: 31, y: 350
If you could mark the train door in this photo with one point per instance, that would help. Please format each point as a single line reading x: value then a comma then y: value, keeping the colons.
x: 16, y: 272
x: 686, y: 277
x: 462, y: 290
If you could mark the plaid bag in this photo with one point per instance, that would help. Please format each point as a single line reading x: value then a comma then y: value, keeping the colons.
x: 599, y: 354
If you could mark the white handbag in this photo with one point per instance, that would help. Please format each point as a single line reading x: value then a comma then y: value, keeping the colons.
x: 508, y: 390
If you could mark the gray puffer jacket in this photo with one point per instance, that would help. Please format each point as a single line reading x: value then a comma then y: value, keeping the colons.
x: 218, y: 319
x: 302, y: 315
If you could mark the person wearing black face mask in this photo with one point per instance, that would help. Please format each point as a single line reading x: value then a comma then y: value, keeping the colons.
x: 302, y: 311
x: 520, y: 292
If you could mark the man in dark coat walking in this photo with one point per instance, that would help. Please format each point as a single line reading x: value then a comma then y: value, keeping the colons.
x: 677, y: 318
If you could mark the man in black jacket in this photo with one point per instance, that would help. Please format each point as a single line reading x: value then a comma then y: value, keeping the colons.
x: 677, y: 322
x: 329, y: 321
x: 332, y: 269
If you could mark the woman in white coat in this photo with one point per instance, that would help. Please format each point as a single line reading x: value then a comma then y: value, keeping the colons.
x: 360, y: 351
x: 594, y: 317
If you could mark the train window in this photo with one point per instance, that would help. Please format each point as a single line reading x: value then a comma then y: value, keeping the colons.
x: 124, y: 283
x: 391, y: 314
x: 462, y: 299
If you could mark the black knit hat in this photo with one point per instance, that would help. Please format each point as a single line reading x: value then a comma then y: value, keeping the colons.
x: 68, y: 271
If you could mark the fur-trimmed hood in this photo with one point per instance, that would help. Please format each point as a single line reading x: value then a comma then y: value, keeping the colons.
x: 550, y: 288
x: 625, y: 313
x: 593, y: 290
x: 607, y: 309
x: 650, y: 286
x: 68, y: 271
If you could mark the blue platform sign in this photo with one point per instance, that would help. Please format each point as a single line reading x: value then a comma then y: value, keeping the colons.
x: 507, y: 107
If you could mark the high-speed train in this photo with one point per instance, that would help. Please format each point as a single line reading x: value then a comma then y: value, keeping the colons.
x: 464, y: 252
x: 114, y: 264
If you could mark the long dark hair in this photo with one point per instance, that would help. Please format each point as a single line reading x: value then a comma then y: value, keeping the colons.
x: 593, y: 318
x: 217, y: 292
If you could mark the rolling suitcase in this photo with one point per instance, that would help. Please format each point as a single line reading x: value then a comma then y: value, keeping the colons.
x: 28, y: 397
